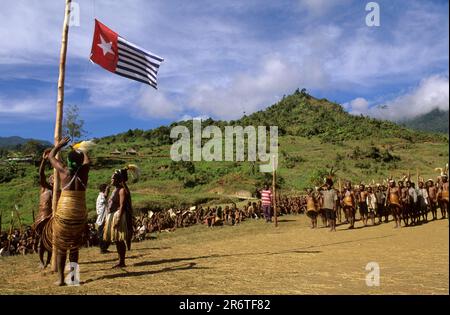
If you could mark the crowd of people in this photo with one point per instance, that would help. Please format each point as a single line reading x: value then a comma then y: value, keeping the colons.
x: 404, y: 201
x: 17, y: 242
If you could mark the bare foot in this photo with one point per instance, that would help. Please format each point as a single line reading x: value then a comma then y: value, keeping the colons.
x: 60, y: 284
x: 119, y: 266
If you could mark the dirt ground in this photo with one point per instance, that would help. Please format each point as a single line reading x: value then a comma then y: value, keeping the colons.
x: 257, y: 258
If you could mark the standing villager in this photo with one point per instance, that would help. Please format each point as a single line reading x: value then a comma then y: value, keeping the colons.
x: 372, y: 204
x: 266, y: 200
x: 311, y: 208
x: 412, y: 211
x: 45, y: 210
x: 70, y: 220
x: 443, y: 194
x: 423, y: 201
x: 250, y: 210
x: 349, y: 204
x: 321, y: 210
x: 101, y: 209
x: 119, y: 221
x: 329, y: 202
x: 381, y: 200
x: 432, y: 194
x: 340, y: 196
x: 393, y: 202
x: 405, y: 201
x: 362, y: 203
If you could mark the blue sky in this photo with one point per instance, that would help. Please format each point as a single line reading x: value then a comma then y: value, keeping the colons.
x: 223, y: 58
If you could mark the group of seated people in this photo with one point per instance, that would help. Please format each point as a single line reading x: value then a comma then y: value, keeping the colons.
x: 17, y: 242
x: 25, y: 242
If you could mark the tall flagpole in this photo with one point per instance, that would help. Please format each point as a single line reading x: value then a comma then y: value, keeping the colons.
x: 274, y: 195
x: 59, y: 116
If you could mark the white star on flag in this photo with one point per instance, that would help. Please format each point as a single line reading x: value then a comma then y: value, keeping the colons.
x: 106, y: 47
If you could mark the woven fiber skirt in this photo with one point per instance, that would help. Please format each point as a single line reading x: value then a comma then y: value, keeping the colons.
x: 112, y: 234
x: 70, y: 220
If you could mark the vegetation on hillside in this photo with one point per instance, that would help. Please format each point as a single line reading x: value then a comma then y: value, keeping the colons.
x: 434, y: 121
x: 315, y: 135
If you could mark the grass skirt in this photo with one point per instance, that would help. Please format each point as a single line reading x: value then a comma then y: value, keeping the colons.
x: 69, y: 222
x: 112, y: 234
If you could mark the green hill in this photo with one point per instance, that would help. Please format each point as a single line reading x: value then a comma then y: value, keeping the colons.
x: 434, y: 121
x: 315, y: 135
x: 14, y: 141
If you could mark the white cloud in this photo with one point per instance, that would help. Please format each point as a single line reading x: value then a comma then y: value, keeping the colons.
x: 320, y: 7
x: 431, y: 93
x: 357, y: 106
x: 37, y: 107
x: 189, y: 117
x: 155, y: 104
x: 109, y: 90
x: 246, y: 92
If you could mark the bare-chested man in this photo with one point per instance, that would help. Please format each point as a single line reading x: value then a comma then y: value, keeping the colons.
x: 70, y: 219
x: 311, y: 208
x: 443, y: 193
x: 349, y: 204
x: 393, y: 203
x: 405, y: 202
x: 362, y: 197
x: 432, y: 194
x: 45, y: 210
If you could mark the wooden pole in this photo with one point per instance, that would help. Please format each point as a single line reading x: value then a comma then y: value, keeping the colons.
x: 59, y: 116
x: 274, y: 195
x: 10, y: 232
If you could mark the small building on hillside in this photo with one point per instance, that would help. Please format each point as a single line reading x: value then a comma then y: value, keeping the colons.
x: 21, y: 159
x: 116, y: 152
x: 131, y: 151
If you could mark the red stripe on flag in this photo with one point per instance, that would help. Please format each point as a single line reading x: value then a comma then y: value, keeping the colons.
x: 104, y: 51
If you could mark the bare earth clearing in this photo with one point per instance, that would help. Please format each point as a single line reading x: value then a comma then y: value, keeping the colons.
x: 256, y: 258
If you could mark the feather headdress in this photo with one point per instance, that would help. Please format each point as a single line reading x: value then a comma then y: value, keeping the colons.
x: 135, y: 171
x: 440, y: 170
x: 84, y: 146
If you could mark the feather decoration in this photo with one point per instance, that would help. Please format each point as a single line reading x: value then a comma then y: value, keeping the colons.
x: 84, y: 146
x: 134, y: 170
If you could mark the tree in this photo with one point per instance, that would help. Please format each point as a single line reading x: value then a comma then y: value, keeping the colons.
x: 73, y: 125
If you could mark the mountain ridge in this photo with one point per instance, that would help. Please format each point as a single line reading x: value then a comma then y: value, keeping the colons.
x: 13, y: 141
x: 434, y: 121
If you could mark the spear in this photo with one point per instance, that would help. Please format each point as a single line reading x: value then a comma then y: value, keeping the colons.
x: 10, y: 232
x: 18, y: 217
x: 274, y: 176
